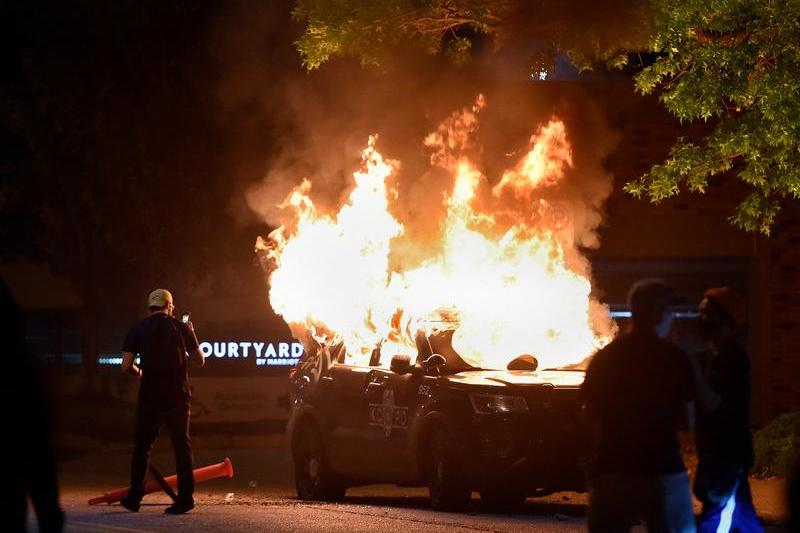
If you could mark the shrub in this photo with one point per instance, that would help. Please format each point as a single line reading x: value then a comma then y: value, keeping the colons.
x: 776, y: 446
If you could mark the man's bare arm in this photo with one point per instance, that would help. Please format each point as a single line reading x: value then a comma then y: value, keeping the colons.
x: 197, y: 357
x: 128, y: 365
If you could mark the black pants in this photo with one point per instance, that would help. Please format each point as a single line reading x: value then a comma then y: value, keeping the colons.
x: 149, y: 417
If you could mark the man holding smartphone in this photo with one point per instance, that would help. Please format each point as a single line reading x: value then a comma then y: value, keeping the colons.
x: 162, y: 344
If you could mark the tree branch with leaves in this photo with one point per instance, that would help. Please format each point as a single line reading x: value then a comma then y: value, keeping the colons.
x: 369, y: 30
x: 732, y: 63
x: 735, y: 64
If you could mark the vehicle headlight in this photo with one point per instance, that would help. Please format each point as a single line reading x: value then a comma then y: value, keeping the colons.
x: 487, y: 404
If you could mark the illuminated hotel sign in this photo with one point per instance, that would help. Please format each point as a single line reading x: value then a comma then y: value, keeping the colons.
x: 266, y: 354
x: 263, y: 353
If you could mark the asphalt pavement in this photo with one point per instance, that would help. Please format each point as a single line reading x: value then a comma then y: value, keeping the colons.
x: 260, y: 497
x: 274, y: 513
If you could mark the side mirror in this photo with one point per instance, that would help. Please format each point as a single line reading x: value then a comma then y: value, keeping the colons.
x: 401, y: 364
x: 434, y: 364
x: 524, y: 362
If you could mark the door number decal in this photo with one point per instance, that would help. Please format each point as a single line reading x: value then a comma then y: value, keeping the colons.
x: 387, y: 415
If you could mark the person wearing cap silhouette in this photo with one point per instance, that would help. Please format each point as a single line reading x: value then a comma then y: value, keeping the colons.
x: 724, y: 442
x: 162, y: 344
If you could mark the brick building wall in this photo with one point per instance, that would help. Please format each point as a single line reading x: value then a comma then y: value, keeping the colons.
x: 783, y: 289
x: 689, y: 238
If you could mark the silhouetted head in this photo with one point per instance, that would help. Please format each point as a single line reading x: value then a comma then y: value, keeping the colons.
x: 648, y: 300
x: 723, y: 312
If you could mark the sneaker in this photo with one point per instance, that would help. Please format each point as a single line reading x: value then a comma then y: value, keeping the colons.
x: 130, y: 504
x: 179, y: 508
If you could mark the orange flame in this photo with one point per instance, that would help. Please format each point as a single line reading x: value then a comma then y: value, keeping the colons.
x: 499, y: 276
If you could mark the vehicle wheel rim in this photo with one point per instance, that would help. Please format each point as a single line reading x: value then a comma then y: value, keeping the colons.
x: 311, y: 463
x: 437, y: 479
x: 312, y: 467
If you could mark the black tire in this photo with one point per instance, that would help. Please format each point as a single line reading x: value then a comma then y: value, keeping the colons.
x: 313, y: 477
x: 444, y: 474
x: 502, y: 500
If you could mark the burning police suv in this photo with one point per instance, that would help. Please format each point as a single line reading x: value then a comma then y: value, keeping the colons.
x: 436, y: 421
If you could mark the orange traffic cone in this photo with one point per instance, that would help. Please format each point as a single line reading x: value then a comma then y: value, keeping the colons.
x: 223, y: 469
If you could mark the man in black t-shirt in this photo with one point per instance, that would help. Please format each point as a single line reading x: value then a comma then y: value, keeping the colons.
x: 162, y: 344
x: 638, y: 393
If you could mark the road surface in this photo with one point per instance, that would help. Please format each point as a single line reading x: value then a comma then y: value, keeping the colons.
x: 260, y: 497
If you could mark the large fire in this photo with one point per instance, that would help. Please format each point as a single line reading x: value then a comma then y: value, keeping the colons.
x: 506, y: 273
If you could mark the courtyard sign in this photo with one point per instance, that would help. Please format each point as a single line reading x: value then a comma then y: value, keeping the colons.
x: 264, y: 353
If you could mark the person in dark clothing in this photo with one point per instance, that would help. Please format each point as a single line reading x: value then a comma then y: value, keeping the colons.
x: 162, y: 343
x: 793, y: 497
x: 27, y: 445
x: 724, y: 442
x: 638, y: 393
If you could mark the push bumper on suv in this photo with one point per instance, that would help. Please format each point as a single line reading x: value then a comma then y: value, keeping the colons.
x: 542, y: 450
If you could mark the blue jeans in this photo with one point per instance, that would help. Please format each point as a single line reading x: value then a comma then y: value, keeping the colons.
x: 618, y: 501
x: 733, y: 511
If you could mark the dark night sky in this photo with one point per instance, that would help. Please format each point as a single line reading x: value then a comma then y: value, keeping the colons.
x: 133, y: 130
x: 123, y: 157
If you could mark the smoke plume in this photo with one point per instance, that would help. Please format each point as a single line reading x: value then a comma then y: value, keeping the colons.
x: 296, y: 126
